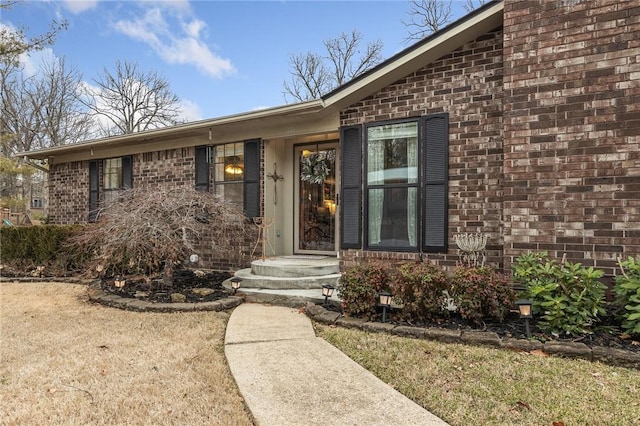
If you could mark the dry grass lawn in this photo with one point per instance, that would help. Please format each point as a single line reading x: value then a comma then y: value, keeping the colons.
x: 467, y: 385
x: 65, y: 361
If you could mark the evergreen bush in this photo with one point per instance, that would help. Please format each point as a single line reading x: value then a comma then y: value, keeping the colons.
x: 627, y: 289
x: 359, y: 286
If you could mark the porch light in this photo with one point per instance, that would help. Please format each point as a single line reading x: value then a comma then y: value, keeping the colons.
x: 235, y: 284
x: 385, y: 302
x: 524, y: 307
x: 327, y: 292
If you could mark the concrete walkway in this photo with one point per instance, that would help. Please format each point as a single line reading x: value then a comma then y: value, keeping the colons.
x: 288, y: 376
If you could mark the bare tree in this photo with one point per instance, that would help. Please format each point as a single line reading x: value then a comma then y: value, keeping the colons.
x: 13, y: 41
x: 471, y: 5
x: 313, y: 75
x: 43, y: 110
x: 427, y: 17
x: 130, y: 100
x: 37, y: 111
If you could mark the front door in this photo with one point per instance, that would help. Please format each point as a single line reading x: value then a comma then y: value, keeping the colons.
x: 316, y: 198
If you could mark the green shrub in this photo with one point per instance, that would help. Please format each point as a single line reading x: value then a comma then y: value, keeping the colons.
x: 419, y: 288
x: 481, y: 294
x: 627, y: 289
x: 567, y: 297
x: 44, y: 245
x: 359, y: 287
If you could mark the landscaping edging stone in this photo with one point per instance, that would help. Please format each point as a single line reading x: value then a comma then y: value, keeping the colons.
x: 99, y: 296
x: 611, y: 356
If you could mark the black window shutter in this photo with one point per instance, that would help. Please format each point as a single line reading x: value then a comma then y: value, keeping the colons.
x: 252, y: 178
x: 127, y: 172
x: 436, y: 171
x: 202, y: 168
x: 93, y: 190
x: 351, y: 187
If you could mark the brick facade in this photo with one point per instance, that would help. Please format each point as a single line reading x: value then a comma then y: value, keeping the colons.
x: 467, y: 84
x: 544, y: 137
x: 545, y: 133
x: 572, y: 130
x: 171, y: 168
x: 69, y: 193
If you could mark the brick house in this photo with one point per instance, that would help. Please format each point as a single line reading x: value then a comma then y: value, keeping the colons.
x: 521, y: 120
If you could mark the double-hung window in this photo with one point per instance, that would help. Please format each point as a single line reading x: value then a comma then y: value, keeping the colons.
x: 228, y: 165
x: 117, y: 174
x: 116, y: 177
x: 236, y: 172
x: 394, y: 185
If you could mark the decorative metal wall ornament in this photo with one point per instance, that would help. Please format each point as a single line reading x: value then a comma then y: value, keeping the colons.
x: 472, y: 246
x: 276, y: 177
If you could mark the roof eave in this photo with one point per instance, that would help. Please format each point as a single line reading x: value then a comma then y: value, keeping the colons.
x: 168, y: 132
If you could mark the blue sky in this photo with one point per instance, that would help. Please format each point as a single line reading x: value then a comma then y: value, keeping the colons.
x: 220, y: 57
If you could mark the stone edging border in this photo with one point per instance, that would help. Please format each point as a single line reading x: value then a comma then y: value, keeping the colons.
x: 611, y: 356
x: 99, y: 296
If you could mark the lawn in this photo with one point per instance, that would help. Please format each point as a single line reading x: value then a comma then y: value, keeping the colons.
x: 65, y: 361
x: 466, y: 385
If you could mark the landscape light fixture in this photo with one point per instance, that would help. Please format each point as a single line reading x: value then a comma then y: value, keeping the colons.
x: 235, y: 284
x: 385, y: 302
x: 327, y: 292
x: 119, y: 282
x: 524, y: 306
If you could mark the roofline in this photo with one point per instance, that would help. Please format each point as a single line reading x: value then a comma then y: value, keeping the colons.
x: 487, y: 12
x: 297, y: 108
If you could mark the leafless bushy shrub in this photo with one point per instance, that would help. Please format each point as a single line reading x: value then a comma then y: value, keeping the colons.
x: 151, y: 232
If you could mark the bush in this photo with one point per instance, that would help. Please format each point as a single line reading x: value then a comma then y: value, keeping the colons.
x: 152, y: 232
x: 359, y: 287
x: 627, y: 289
x: 419, y: 287
x: 568, y: 297
x: 481, y: 293
x: 46, y: 245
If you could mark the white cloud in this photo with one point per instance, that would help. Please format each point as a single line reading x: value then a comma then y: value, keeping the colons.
x: 181, y: 45
x: 190, y: 111
x: 79, y: 6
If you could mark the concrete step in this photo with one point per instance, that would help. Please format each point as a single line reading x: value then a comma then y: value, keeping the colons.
x: 296, y: 266
x: 251, y: 280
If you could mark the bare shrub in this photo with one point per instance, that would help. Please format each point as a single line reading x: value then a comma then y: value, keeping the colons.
x: 151, y: 232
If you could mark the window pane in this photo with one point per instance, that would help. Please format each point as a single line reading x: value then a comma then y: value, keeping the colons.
x: 229, y: 162
x: 112, y: 173
x: 392, y: 217
x: 232, y: 192
x: 392, y: 154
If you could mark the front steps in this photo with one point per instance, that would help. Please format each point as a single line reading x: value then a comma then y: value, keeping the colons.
x: 290, y: 273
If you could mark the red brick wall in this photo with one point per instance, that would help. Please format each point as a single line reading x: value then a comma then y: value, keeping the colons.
x: 175, y: 168
x: 468, y: 85
x: 572, y: 129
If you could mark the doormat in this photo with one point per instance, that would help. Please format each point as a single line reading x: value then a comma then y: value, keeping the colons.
x: 305, y: 256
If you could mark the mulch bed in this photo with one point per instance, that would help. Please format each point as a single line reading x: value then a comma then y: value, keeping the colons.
x: 515, y: 327
x: 196, y: 286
